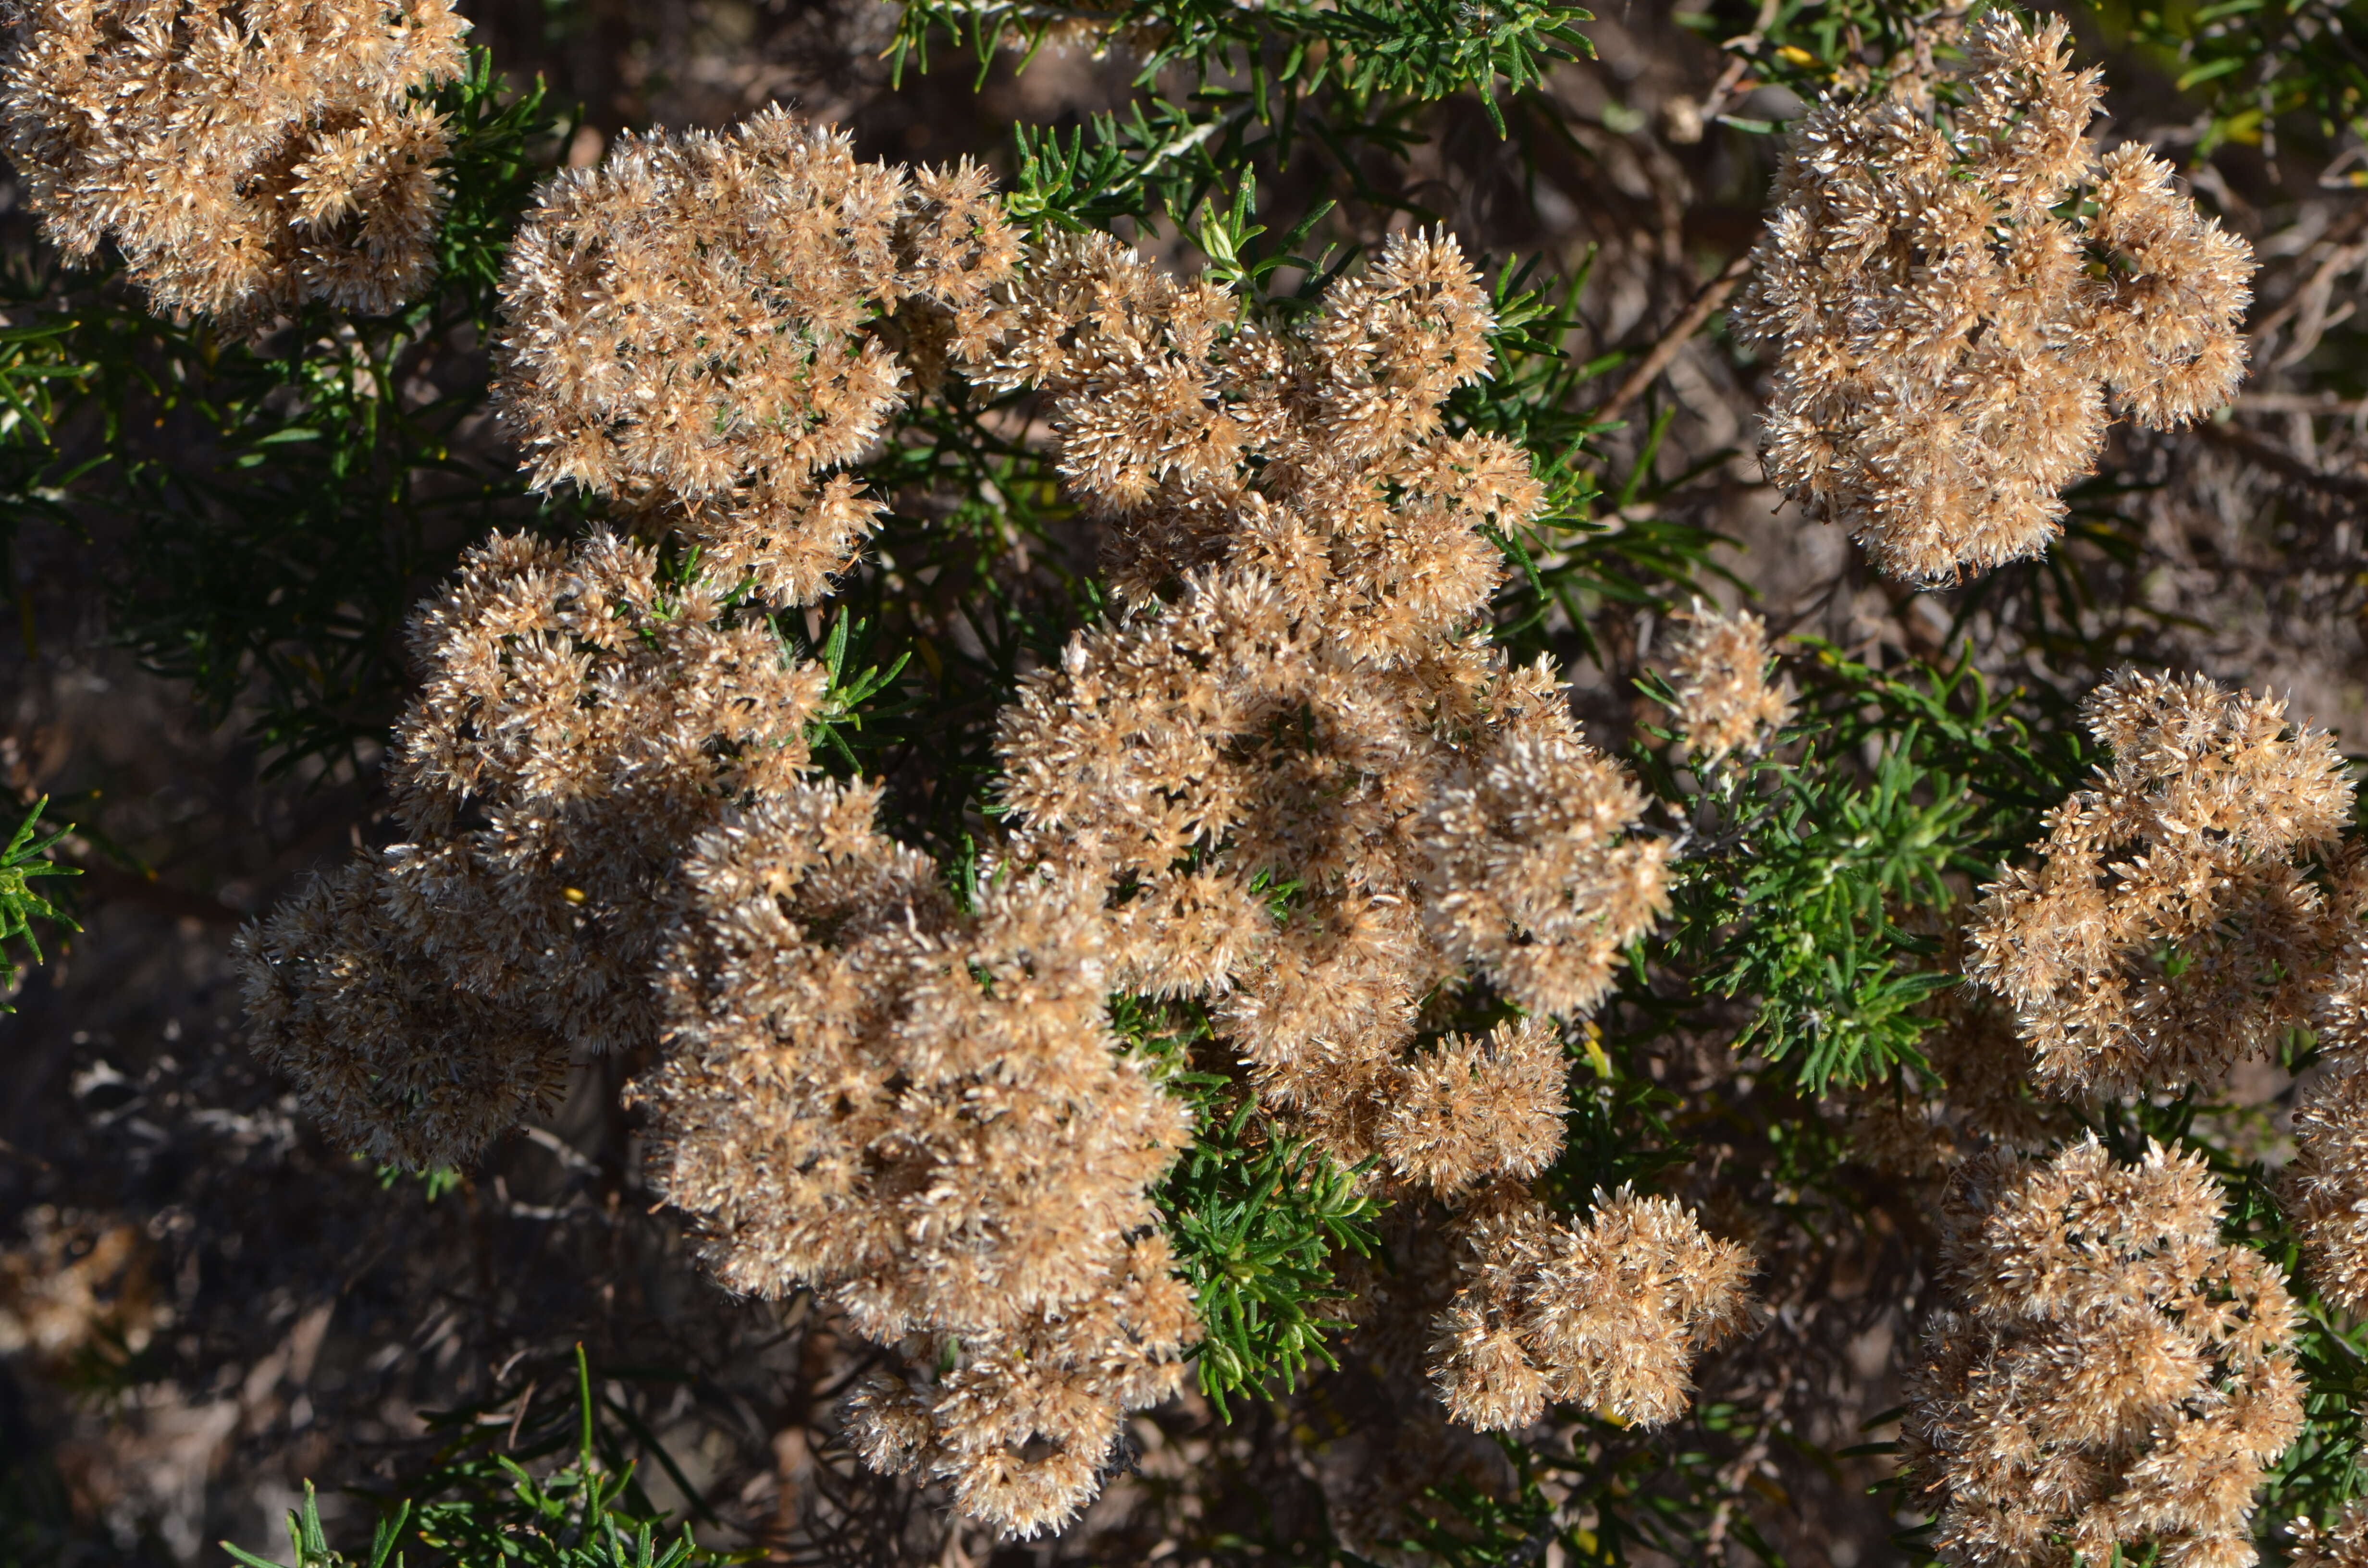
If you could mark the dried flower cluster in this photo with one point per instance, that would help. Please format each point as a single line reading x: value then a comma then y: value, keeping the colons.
x: 578, y: 723
x: 1719, y: 674
x: 245, y: 157
x: 1314, y: 789
x: 2326, y: 1185
x: 1293, y: 780
x: 923, y: 1113
x: 1610, y: 1314
x: 689, y: 327
x: 1314, y: 792
x: 1949, y: 342
x: 2110, y: 1373
x: 2340, y: 1544
x: 2170, y: 929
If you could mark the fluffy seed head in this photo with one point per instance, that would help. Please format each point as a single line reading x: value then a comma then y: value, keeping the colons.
x: 246, y: 157
x: 1726, y: 704
x: 2108, y: 1372
x: 1950, y: 350
x: 2169, y: 930
x: 696, y: 329
x: 1610, y: 1314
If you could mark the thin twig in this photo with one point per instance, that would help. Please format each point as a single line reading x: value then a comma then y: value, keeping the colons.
x: 1657, y: 359
x: 2336, y: 235
x: 2272, y: 456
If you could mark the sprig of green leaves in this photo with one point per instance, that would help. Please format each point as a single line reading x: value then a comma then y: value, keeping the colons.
x: 26, y: 857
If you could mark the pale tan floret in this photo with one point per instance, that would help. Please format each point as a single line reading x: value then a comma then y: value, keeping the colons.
x: 246, y: 157
x: 1530, y: 870
x: 576, y: 724
x: 692, y: 329
x: 2108, y: 1371
x: 922, y: 1113
x: 2327, y: 1189
x: 1611, y: 1315
x: 2326, y: 1186
x: 1950, y: 350
x: 1719, y: 673
x: 2342, y: 1543
x: 1470, y: 1108
x: 2171, y: 928
x: 1024, y: 1422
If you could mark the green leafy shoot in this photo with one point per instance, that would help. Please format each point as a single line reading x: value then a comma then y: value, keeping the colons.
x: 1290, y: 50
x: 1257, y: 1219
x: 25, y: 858
x: 502, y: 142
x: 434, y: 1182
x: 309, y: 1546
x: 478, y: 1507
x: 1571, y: 561
x: 841, y: 713
x: 1805, y: 876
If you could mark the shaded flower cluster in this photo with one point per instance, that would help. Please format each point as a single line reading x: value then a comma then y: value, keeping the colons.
x: 2108, y: 1373
x: 2327, y: 1184
x: 245, y: 157
x: 1951, y: 349
x: 692, y: 327
x: 2171, y: 928
x: 578, y: 722
x: 922, y: 1113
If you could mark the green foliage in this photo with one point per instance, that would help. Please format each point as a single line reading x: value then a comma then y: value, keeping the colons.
x: 1257, y: 1219
x: 1813, y: 886
x: 1617, y: 1132
x: 1268, y: 87
x: 501, y: 141
x: 2255, y: 63
x: 42, y: 378
x: 1362, y: 51
x: 433, y: 1182
x: 23, y: 858
x: 1569, y: 563
x: 1803, y: 44
x: 480, y: 1502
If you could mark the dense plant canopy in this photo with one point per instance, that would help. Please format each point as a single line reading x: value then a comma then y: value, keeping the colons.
x: 1362, y: 783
